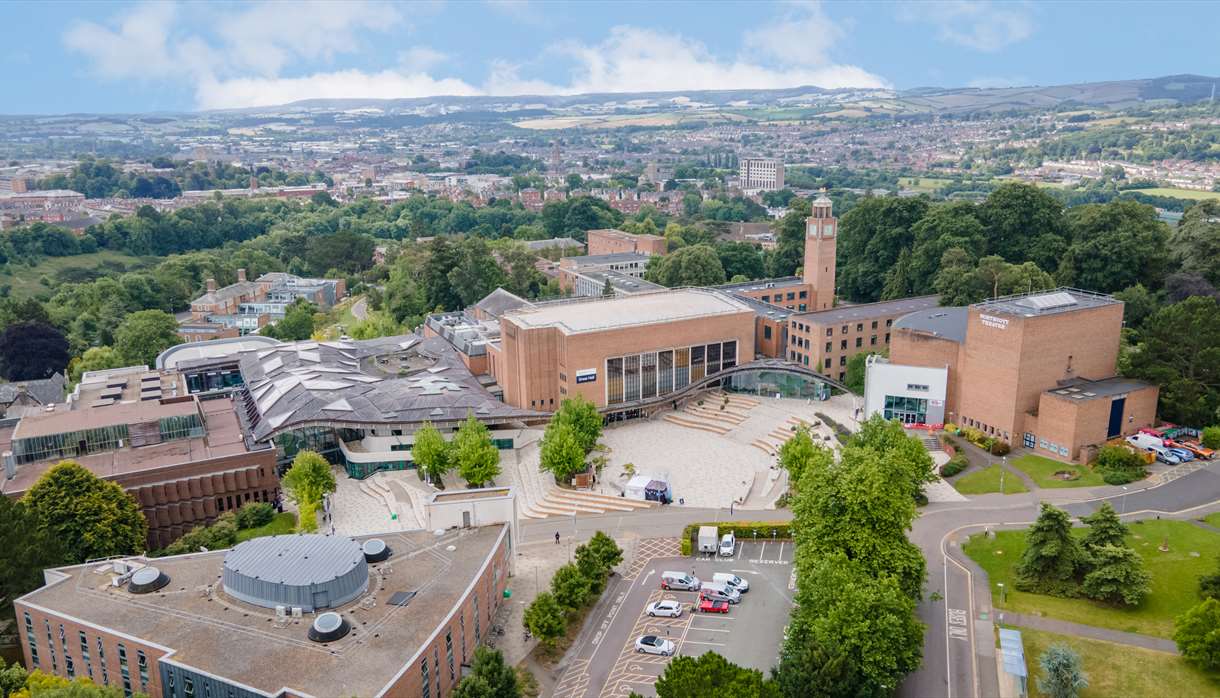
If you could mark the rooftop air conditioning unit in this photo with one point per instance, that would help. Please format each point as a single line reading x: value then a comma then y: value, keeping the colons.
x: 281, y: 611
x: 296, y: 611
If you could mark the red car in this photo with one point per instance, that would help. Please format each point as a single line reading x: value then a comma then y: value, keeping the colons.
x: 710, y: 606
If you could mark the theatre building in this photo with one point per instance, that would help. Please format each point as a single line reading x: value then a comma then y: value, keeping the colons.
x: 621, y: 350
x: 1035, y: 370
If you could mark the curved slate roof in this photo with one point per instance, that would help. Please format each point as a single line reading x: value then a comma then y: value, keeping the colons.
x: 402, y: 380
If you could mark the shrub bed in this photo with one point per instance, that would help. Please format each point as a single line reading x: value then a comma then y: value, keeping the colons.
x: 841, y: 432
x: 956, y: 464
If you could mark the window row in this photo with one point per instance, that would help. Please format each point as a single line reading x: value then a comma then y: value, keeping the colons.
x: 658, y: 373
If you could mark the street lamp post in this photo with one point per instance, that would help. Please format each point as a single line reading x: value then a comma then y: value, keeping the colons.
x: 1003, y: 595
x: 1124, y: 507
x: 1003, y: 462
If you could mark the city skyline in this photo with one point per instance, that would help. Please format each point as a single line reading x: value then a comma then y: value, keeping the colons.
x: 163, y: 56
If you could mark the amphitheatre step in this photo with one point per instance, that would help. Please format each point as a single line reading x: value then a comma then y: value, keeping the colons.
x: 558, y: 508
x: 680, y: 421
x: 765, y: 446
x: 594, y: 497
x: 715, y: 415
x: 615, y: 504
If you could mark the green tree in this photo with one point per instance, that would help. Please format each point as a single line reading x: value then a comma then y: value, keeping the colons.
x: 1138, y: 304
x: 94, y: 359
x: 1114, y: 246
x: 309, y: 478
x: 442, y: 257
x: 570, y: 587
x: 1180, y: 351
x: 944, y: 226
x: 26, y: 549
x: 144, y: 334
x: 489, y: 677
x: 561, y: 453
x: 476, y: 273
x: 433, y: 455
x: 32, y: 351
x: 607, y: 289
x: 297, y: 323
x: 955, y: 279
x: 1209, y: 585
x: 697, y: 265
x: 605, y: 551
x: 1211, y: 437
x: 1194, y: 245
x: 1053, y: 559
x: 545, y: 618
x: 476, y: 457
x: 711, y: 674
x: 796, y: 454
x: 872, y: 235
x: 856, y: 366
x: 90, y: 516
x: 1119, y: 464
x: 905, y: 454
x: 1023, y: 223
x: 741, y: 259
x: 1062, y: 675
x: 12, y: 677
x: 583, y: 417
x: 1117, y: 576
x: 1105, y: 528
x: 808, y: 670
x: 1197, y: 634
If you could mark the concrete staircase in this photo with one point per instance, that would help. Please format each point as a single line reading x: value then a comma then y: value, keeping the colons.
x: 715, y: 415
x: 778, y: 436
x: 381, y: 493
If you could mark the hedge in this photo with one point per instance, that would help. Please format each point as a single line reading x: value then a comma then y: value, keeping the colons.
x: 841, y: 432
x: 955, y: 465
x: 741, y: 529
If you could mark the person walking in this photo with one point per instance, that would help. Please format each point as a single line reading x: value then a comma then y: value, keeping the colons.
x: 556, y: 537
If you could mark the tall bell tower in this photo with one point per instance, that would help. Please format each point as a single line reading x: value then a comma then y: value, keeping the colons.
x: 821, y: 231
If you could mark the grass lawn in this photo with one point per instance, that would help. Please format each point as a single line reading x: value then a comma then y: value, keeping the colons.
x: 1121, y: 670
x: 1043, y: 470
x: 923, y: 184
x: 1213, y: 519
x: 24, y: 280
x: 1192, y: 194
x: 281, y: 524
x: 1174, y: 577
x: 987, y: 481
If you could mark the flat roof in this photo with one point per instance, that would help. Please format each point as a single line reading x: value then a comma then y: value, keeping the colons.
x: 611, y: 258
x: 64, y: 420
x: 243, y: 643
x: 623, y: 234
x: 865, y: 311
x: 594, y: 314
x: 762, y: 284
x: 1039, y: 303
x: 947, y: 322
x: 211, y: 349
x: 1082, y: 389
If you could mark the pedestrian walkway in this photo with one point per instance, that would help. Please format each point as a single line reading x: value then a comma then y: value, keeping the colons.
x: 1063, y: 627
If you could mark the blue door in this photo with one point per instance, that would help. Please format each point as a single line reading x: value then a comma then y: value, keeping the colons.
x: 1116, y: 418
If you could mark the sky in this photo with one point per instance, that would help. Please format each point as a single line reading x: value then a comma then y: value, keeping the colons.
x: 130, y: 57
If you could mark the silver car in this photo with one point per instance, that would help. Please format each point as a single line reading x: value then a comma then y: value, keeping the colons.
x: 669, y: 609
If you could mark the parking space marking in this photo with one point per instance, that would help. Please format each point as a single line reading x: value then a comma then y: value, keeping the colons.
x: 575, y: 681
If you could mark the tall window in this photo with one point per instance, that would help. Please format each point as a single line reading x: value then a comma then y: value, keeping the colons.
x: 697, y: 366
x: 728, y: 355
x: 631, y: 377
x: 31, y: 639
x: 449, y: 655
x: 681, y: 368
x: 614, y: 380
x: 665, y: 372
x: 713, y: 359
x: 425, y: 679
x: 648, y: 375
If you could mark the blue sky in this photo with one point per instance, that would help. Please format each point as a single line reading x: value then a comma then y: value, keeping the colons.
x: 171, y: 56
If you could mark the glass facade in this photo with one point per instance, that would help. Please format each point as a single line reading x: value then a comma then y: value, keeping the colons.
x: 781, y: 383
x: 908, y: 410
x: 83, y: 442
x: 658, y: 373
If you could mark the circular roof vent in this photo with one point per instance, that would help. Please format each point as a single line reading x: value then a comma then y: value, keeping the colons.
x: 375, y: 550
x: 146, y: 580
x: 328, y: 627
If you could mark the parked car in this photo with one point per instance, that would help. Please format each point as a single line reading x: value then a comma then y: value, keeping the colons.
x: 712, y: 606
x: 1165, y: 455
x: 732, y: 581
x: 1146, y: 442
x: 720, y: 592
x: 728, y: 545
x: 1194, y: 447
x: 670, y: 609
x: 651, y: 644
x: 680, y: 581
x: 1183, y: 454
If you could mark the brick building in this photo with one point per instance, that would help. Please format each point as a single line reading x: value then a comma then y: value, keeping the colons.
x: 189, y: 626
x: 1035, y: 370
x: 185, y: 460
x: 825, y: 340
x: 612, y: 241
x: 760, y: 174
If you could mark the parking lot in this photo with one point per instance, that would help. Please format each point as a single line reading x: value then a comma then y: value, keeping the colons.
x: 607, y: 664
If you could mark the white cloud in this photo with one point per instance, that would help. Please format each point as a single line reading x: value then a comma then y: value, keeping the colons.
x: 137, y: 47
x: 981, y: 25
x: 247, y: 58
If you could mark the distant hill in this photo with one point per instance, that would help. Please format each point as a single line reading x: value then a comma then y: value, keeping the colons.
x: 1179, y: 89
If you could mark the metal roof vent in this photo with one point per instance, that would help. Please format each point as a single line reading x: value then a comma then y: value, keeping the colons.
x: 147, y: 580
x: 375, y: 550
x: 328, y: 627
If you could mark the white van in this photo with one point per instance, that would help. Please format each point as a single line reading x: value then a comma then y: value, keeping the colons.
x: 1145, y: 442
x: 680, y: 581
x: 728, y: 545
x: 720, y: 592
x: 732, y: 581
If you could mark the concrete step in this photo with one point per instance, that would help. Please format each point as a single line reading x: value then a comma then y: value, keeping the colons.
x: 715, y: 414
x: 704, y: 426
x: 598, y: 501
x: 765, y: 446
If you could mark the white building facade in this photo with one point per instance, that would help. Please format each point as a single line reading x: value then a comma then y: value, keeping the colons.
x: 910, y: 394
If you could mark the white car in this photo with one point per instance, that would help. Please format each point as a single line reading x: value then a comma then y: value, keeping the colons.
x: 671, y: 609
x: 728, y: 545
x: 651, y: 644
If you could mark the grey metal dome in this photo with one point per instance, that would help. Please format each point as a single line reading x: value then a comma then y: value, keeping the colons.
x: 308, y: 571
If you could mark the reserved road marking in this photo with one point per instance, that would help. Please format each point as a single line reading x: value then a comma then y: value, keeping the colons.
x: 696, y: 642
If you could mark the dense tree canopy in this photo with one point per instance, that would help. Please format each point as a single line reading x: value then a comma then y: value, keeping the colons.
x: 90, y: 517
x: 1179, y: 349
x: 32, y: 351
x: 697, y: 265
x: 144, y: 334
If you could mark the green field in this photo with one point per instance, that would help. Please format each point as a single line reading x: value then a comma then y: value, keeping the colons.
x: 1120, y: 670
x: 923, y: 184
x: 1043, y: 470
x: 987, y: 481
x: 1174, y: 577
x: 24, y: 280
x: 1192, y: 194
x: 1213, y: 519
x: 281, y: 524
